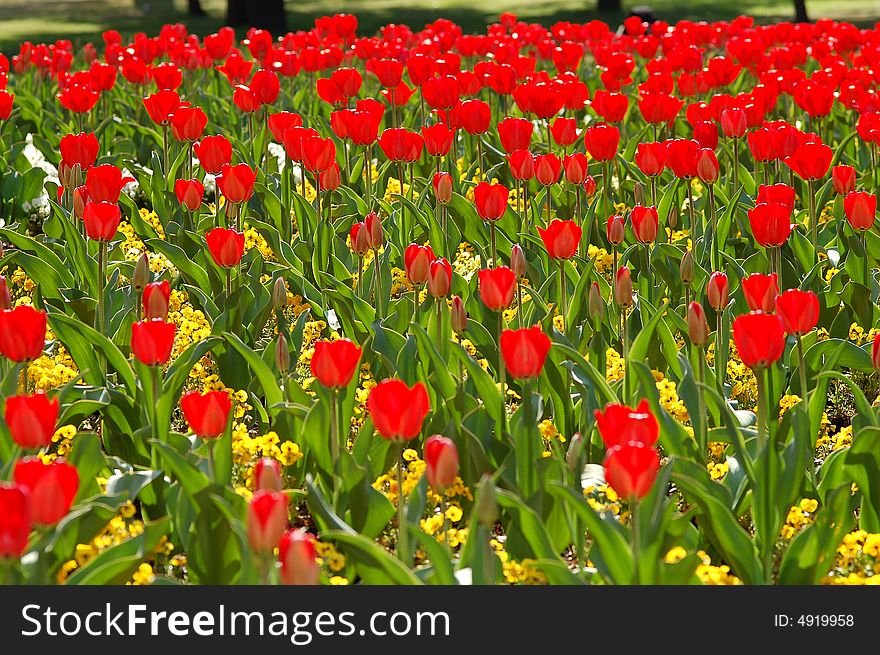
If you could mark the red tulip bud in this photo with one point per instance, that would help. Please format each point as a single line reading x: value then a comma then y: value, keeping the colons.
x: 267, y: 475
x: 623, y: 288
x: 518, y: 260
x: 441, y: 459
x: 458, y: 315
x: 296, y: 552
x: 698, y: 327
x: 266, y: 519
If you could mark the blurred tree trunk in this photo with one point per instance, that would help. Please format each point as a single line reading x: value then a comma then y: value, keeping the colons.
x: 609, y: 5
x: 194, y: 8
x: 800, y: 11
x: 265, y: 14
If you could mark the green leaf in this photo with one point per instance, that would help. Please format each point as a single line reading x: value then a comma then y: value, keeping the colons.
x: 373, y: 563
x: 117, y: 564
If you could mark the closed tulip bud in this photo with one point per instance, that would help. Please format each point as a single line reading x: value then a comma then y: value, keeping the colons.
x: 5, y: 298
x: 615, y: 229
x: 596, y: 303
x: 417, y: 262
x: 282, y: 355
x: 718, y: 291
x: 487, y: 506
x: 441, y: 461
x: 267, y: 475
x: 374, y: 231
x: 707, y: 166
x: 843, y: 179
x: 51, y: 487
x: 439, y: 278
x: 623, y: 287
x: 645, y: 223
x: 672, y: 217
x: 687, y: 267
x: 266, y: 519
x: 157, y: 297
x: 590, y: 186
x: 279, y: 294
x: 141, y: 277
x: 458, y: 315
x: 443, y: 187
x: 698, y: 327
x: 518, y: 261
x: 575, y: 452
x: 639, y: 193
x: 360, y: 239
x: 80, y: 197
x: 298, y: 557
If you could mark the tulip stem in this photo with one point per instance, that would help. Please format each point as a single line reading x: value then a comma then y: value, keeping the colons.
x: 814, y: 221
x: 492, y: 242
x: 690, y: 196
x: 402, y: 534
x: 625, y: 348
x: 502, y: 373
x: 735, y: 165
x: 415, y: 303
x: 563, y: 294
x: 714, y: 215
x: 165, y: 152
x: 867, y: 272
x: 228, y: 283
x: 156, y: 387
x: 762, y: 409
x: 318, y: 199
x: 719, y: 373
x: 701, y: 399
x: 519, y: 304
x: 606, y: 182
x: 212, y: 467
x: 443, y: 525
x: 376, y: 279
x: 367, y: 165
x: 102, y: 283
x: 636, y: 503
x: 802, y: 369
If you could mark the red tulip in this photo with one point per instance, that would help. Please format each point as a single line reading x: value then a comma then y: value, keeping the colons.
x: 266, y: 520
x: 781, y: 194
x: 189, y: 193
x: 334, y: 363
x: 759, y: 339
x: 101, y: 220
x: 51, y: 487
x: 771, y: 224
x: 206, y: 414
x: 601, y: 141
x: 76, y: 98
x: 79, y: 149
x: 515, y: 134
x: 615, y: 229
x: 441, y: 461
x: 373, y: 225
x: 298, y: 557
x: 810, y: 161
x: 22, y: 333
x: 237, y: 182
x: 760, y: 292
x: 497, y: 287
x: 438, y: 139
x: 875, y: 352
x: 798, y: 310
x: 631, y: 469
x: 267, y: 475
x: 6, y: 100
x: 161, y: 105
x: 491, y: 200
x: 265, y: 86
x: 359, y: 239
x: 245, y: 99
x: 417, y: 260
x: 5, y: 298
x: 698, y: 327
x: 398, y: 410
x: 156, y: 298
x: 282, y: 121
x: 561, y: 238
x: 707, y: 166
x: 522, y: 164
x: 564, y: 131
x: 733, y: 122
x: 681, y: 157
x: 860, y: 208
x: 151, y: 341
x: 718, y: 291
x: 619, y: 424
x: 609, y: 105
x: 318, y: 154
x: 188, y: 123
x: 762, y: 145
x: 706, y: 134
x: 31, y: 420
x: 213, y: 152
x: 442, y: 183
x: 651, y: 158
x: 590, y: 186
x: 524, y: 351
x: 575, y: 167
x: 389, y: 71
x: 330, y: 179
x: 439, y: 278
x: 645, y: 222
x: 226, y: 246
x: 623, y: 287
x: 473, y: 116
x: 167, y: 76
x: 458, y: 315
x: 441, y: 92
x: 15, y: 520
x: 547, y: 169
x: 843, y: 179
x: 104, y: 183
x: 659, y: 107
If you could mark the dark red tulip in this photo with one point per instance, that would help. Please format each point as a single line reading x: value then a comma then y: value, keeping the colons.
x: 491, y: 200
x: 601, y: 141
x: 843, y: 179
x: 398, y: 410
x: 266, y: 520
x: 615, y: 229
x: 771, y: 224
x: 101, y: 220
x: 441, y: 461
x: 798, y: 310
x: 522, y: 164
x: 631, y: 469
x: 226, y: 246
x: 188, y: 123
x: 759, y: 339
x: 22, y: 333
x: 5, y: 298
x: 810, y: 161
x: 458, y: 315
x: 334, y: 363
x: 860, y: 208
x: 151, y: 341
x: 497, y: 287
x: 51, y: 487
x: 81, y: 149
x: 206, y: 414
x: 189, y: 193
x: 15, y: 520
x: 373, y: 225
x: 645, y: 222
x: 515, y: 134
x: 623, y: 287
x: 105, y: 182
x: 359, y: 239
x: 524, y: 351
x: 237, y: 182
x: 31, y: 420
x: 760, y: 292
x: 619, y: 424
x: 547, y: 169
x: 298, y: 557
x: 161, y: 105
x: 698, y: 327
x: 156, y: 299
x: 561, y: 238
x: 651, y: 158
x: 439, y: 278
x: 718, y: 291
x: 213, y: 152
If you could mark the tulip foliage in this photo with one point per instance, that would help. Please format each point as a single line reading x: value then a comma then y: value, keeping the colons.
x: 564, y: 305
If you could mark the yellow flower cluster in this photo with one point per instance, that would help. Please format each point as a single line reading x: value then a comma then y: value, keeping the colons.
x: 393, y: 189
x: 330, y: 557
x: 247, y: 449
x: 705, y: 571
x: 857, y: 561
x: 551, y: 436
x: 522, y: 572
x: 842, y: 439
x: 669, y: 398
x: 467, y: 261
x: 858, y: 334
x: 604, y: 260
x: 603, y: 498
x: 192, y: 324
x: 799, y: 517
x: 63, y: 440
x: 253, y: 239
x: 615, y: 366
